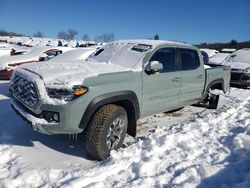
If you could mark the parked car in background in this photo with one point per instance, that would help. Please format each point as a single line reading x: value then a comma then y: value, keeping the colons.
x: 118, y: 84
x: 9, y: 50
x: 75, y: 54
x: 8, y: 64
x: 218, y: 59
x: 210, y: 52
x: 205, y: 57
x: 239, y: 62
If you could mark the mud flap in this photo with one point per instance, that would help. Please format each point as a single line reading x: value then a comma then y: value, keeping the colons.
x: 213, y: 101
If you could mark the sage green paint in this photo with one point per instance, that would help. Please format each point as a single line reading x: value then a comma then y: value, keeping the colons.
x: 155, y: 92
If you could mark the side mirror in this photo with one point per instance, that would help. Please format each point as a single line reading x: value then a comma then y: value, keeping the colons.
x: 154, y: 67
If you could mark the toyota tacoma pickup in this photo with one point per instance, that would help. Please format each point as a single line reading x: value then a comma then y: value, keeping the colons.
x: 106, y: 94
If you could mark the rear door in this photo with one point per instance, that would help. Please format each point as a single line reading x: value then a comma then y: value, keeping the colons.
x: 161, y: 90
x: 192, y: 75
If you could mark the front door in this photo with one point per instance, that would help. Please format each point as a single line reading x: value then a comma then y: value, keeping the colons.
x: 161, y: 90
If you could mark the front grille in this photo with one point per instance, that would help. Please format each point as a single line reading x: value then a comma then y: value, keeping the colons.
x: 25, y: 91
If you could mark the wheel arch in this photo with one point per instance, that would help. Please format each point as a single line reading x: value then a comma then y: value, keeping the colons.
x: 216, y: 84
x: 126, y: 99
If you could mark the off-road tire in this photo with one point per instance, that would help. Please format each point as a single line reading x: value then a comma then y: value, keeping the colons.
x: 97, y: 130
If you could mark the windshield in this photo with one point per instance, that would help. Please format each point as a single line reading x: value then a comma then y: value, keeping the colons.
x: 129, y: 55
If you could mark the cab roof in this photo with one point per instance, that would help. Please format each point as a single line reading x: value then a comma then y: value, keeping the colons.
x: 154, y: 43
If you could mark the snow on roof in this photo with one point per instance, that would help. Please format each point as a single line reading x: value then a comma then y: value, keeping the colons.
x: 129, y: 53
x: 242, y: 55
x: 153, y: 43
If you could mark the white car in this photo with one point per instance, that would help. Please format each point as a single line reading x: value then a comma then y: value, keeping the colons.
x: 210, y: 52
x: 75, y: 54
x: 239, y: 62
x: 218, y: 59
x: 8, y: 64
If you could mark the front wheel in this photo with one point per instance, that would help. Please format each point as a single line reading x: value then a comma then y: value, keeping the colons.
x: 106, y: 131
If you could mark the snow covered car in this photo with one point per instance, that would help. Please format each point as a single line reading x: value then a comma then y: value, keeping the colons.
x: 106, y: 94
x: 218, y: 59
x: 75, y: 54
x: 239, y: 62
x: 210, y: 52
x: 8, y: 64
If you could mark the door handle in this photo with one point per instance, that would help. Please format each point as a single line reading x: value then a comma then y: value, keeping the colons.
x: 177, y: 79
x: 199, y: 77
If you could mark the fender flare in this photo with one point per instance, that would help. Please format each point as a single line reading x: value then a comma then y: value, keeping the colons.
x: 217, y: 81
x: 126, y: 99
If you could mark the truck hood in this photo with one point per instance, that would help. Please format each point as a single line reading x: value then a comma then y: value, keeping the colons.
x: 237, y: 65
x: 67, y: 74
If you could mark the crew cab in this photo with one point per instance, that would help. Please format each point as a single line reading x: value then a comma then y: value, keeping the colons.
x: 106, y: 94
x: 8, y: 64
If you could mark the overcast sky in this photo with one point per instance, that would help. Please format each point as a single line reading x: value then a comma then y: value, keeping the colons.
x: 192, y: 21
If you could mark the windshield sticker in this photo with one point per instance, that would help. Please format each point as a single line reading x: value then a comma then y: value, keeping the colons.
x: 142, y: 47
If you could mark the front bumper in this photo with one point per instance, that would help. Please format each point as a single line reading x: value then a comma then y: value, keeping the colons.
x: 66, y: 125
x: 240, y: 79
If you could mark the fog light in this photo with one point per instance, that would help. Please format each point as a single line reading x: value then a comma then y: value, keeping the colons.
x: 51, y: 116
x: 56, y: 117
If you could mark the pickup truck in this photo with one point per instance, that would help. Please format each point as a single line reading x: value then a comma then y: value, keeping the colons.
x: 106, y: 94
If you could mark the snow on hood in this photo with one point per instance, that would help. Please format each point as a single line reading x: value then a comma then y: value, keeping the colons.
x: 219, y: 58
x: 7, y: 60
x: 68, y: 74
x: 237, y: 65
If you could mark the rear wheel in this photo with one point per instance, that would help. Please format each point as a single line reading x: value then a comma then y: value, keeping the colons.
x: 211, y: 99
x: 106, y: 131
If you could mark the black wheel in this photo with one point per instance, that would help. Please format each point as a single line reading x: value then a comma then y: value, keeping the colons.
x: 213, y: 101
x: 106, y: 131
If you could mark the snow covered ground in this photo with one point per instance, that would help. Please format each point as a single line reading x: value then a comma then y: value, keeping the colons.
x: 188, y: 148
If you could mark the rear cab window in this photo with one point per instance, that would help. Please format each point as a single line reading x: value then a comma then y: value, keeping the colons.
x: 189, y: 59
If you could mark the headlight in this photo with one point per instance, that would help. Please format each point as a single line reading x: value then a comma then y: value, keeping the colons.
x: 247, y: 71
x: 65, y: 94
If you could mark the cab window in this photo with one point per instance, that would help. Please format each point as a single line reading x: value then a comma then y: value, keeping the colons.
x: 189, y: 59
x: 166, y: 56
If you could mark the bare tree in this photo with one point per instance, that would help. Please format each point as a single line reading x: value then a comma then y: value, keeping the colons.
x: 6, y: 33
x: 38, y: 34
x: 62, y: 35
x: 106, y: 37
x: 72, y: 33
x: 85, y: 37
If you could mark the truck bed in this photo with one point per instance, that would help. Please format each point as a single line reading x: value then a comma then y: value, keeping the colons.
x: 214, y: 74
